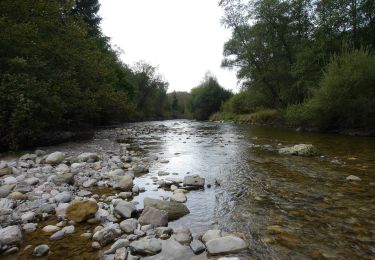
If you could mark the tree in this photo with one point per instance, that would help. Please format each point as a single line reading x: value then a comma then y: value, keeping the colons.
x: 207, y: 98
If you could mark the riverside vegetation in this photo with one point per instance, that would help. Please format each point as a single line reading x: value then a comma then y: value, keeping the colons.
x: 302, y: 63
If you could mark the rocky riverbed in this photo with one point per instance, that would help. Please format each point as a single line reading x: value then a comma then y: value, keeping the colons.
x: 82, y: 203
x: 190, y: 190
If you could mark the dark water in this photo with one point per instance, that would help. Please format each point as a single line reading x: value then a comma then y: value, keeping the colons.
x: 287, y: 207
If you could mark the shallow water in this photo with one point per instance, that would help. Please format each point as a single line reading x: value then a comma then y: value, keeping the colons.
x: 287, y: 207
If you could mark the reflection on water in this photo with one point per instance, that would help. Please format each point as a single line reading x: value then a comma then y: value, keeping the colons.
x: 287, y: 207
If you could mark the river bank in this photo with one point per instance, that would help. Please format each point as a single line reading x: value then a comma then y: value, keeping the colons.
x: 278, y: 205
x: 276, y: 118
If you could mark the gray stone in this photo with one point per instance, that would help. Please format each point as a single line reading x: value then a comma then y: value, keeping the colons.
x: 140, y: 169
x: 89, y: 183
x: 32, y: 180
x: 179, y: 197
x: 106, y: 235
x: 194, y: 180
x: 175, y: 210
x: 67, y: 178
x: 57, y: 235
x: 41, y: 250
x: 353, y: 178
x: 129, y: 225
x: 63, y: 197
x: 197, y: 246
x: 28, y: 216
x: 163, y: 231
x: 182, y: 235
x: 146, y: 247
x: 125, y: 195
x: 226, y: 245
x: 153, y: 216
x: 211, y: 234
x: 121, y: 253
x: 5, y: 190
x: 55, y: 158
x: 60, y: 210
x: 23, y: 187
x: 124, y: 183
x: 118, y: 244
x: 88, y: 157
x: 29, y: 227
x: 11, y: 235
x: 299, y: 150
x: 6, y: 171
x: 125, y: 209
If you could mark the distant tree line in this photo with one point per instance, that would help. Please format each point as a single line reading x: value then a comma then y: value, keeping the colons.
x: 310, y: 61
x: 58, y: 72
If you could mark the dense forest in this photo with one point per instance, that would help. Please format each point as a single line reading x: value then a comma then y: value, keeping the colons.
x: 59, y: 73
x: 302, y: 62
x: 299, y: 62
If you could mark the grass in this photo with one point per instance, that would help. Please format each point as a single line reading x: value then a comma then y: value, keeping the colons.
x: 267, y: 116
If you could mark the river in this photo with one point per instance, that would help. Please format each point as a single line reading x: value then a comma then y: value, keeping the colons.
x: 287, y: 207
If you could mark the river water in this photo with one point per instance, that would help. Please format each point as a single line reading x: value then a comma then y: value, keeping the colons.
x: 287, y: 207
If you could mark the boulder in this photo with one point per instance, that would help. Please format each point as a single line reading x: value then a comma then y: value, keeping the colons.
x: 11, y: 235
x: 226, y: 245
x: 88, y: 157
x: 124, y: 183
x: 146, y: 246
x: 175, y: 209
x: 79, y: 211
x: 125, y: 209
x: 153, y: 216
x: 194, y: 180
x: 55, y: 158
x: 299, y: 150
x: 211, y: 234
x: 23, y: 187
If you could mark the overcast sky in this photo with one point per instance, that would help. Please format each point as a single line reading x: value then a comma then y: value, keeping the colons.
x: 184, y: 38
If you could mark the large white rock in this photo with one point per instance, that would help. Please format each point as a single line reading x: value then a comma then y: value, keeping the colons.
x: 55, y: 158
x: 211, y: 234
x: 299, y: 150
x: 11, y: 235
x: 179, y: 197
x: 226, y: 245
x: 194, y: 180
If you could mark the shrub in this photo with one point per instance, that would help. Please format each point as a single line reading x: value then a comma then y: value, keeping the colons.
x: 346, y: 96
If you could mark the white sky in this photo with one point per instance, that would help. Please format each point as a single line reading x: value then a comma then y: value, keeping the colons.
x: 184, y: 38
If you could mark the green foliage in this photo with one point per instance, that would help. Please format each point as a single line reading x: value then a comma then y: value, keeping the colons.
x: 207, y: 98
x: 346, y: 96
x: 280, y: 50
x: 59, y: 73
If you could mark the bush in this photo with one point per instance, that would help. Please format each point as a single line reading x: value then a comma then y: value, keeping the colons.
x: 207, y: 98
x: 346, y: 96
